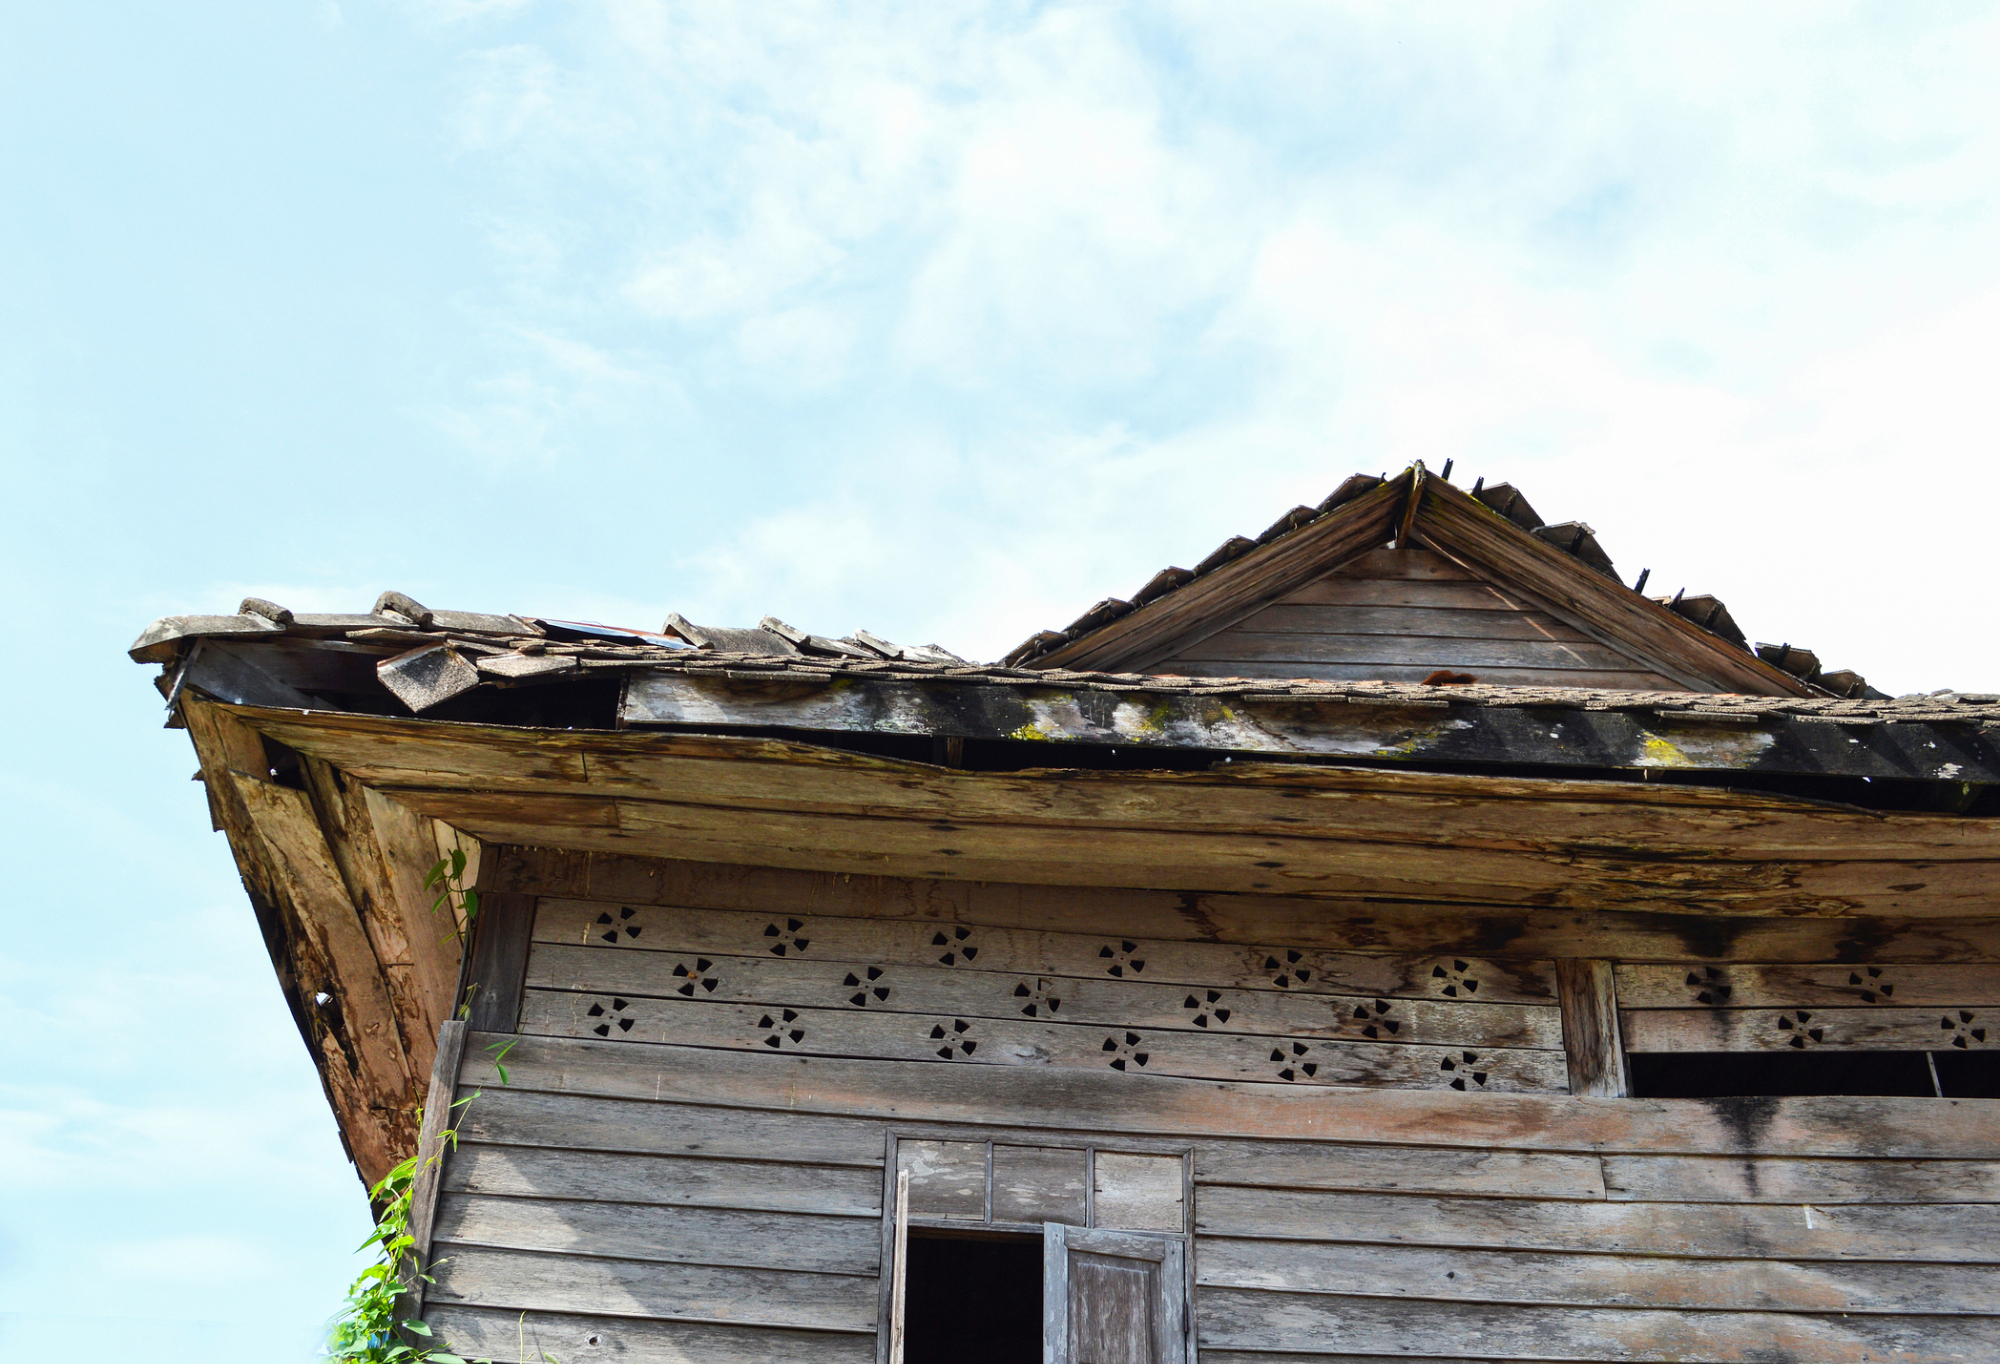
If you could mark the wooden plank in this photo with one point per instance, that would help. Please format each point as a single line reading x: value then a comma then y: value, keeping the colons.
x: 545, y: 1116
x: 1127, y: 1000
x: 1242, y: 1319
x: 1138, y: 1193
x: 1410, y: 622
x: 1724, y: 1179
x: 1246, y: 645
x: 1590, y: 1028
x: 1749, y: 985
x: 664, y: 1235
x: 1496, y: 675
x: 499, y: 960
x: 1464, y: 596
x: 1961, y: 1233
x: 1315, y: 972
x: 952, y: 1038
x: 1325, y: 1165
x: 431, y: 1148
x: 486, y: 1333
x: 1406, y: 564
x: 1799, y: 1029
x: 537, y: 1282
x: 1106, y: 1102
x: 947, y: 1179
x: 1039, y: 1184
x: 680, y: 1181
x: 1349, y: 1266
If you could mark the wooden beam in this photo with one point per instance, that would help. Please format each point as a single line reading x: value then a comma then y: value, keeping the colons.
x: 432, y: 1151
x: 499, y: 960
x: 1589, y: 998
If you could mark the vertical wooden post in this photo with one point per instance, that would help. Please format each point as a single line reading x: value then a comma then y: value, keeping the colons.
x: 430, y: 1157
x: 1589, y: 996
x: 499, y: 963
x: 900, y: 1272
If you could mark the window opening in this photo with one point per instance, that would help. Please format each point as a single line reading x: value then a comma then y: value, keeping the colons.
x: 972, y: 1299
x: 1785, y: 1074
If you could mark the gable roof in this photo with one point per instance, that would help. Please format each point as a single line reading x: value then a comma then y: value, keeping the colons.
x: 1491, y: 532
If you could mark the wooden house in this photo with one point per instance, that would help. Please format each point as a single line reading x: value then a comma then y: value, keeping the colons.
x: 1393, y: 938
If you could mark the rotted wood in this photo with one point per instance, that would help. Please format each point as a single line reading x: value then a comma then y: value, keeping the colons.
x: 1596, y: 1054
x: 498, y: 1333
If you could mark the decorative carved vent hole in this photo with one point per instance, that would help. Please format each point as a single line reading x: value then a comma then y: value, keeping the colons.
x: 1120, y: 958
x: 781, y: 1030
x: 695, y: 976
x: 788, y: 943
x: 608, y: 928
x: 1709, y: 986
x: 1870, y: 985
x: 957, y: 944
x: 1375, y: 1020
x: 1039, y: 1000
x: 1291, y: 1062
x: 958, y: 1040
x: 1124, y: 1049
x: 866, y: 991
x: 613, y: 1016
x: 1455, y: 980
x: 1959, y: 1025
x: 1286, y: 972
x: 1799, y: 1029
x: 1205, y: 1006
x: 1460, y: 1068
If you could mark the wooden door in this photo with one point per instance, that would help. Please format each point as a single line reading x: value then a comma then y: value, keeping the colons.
x: 1112, y: 1297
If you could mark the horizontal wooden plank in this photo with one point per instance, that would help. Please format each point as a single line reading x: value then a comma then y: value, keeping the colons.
x: 1722, y: 1179
x: 1464, y: 594
x: 1404, y: 564
x: 667, y: 1235
x: 486, y: 1333
x: 1315, y: 971
x: 1870, y: 1028
x: 543, y: 1113
x: 681, y: 1181
x: 1408, y: 622
x: 985, y: 1042
x: 1351, y: 1266
x: 534, y: 1282
x: 1417, y: 1169
x: 1960, y: 1233
x: 1415, y: 930
x: 1493, y: 674
x: 1248, y: 645
x: 1103, y: 1101
x: 1748, y: 985
x: 1246, y: 1319
x: 814, y: 977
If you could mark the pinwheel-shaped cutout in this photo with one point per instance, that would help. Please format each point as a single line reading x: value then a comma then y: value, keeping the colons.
x: 1287, y: 968
x: 1292, y: 1063
x: 960, y: 947
x: 1463, y: 1067
x: 695, y: 978
x: 1709, y: 985
x: 863, y: 988
x: 1206, y: 1008
x: 1377, y: 1019
x: 956, y: 1040
x: 1119, y: 959
x: 1799, y: 1029
x: 1126, y: 1051
x: 1039, y: 998
x: 1872, y: 986
x: 789, y: 943
x: 1454, y: 980
x: 1964, y: 1027
x: 614, y: 930
x: 782, y: 1031
x: 610, y: 1014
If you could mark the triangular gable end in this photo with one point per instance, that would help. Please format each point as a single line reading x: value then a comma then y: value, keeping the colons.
x: 1400, y: 580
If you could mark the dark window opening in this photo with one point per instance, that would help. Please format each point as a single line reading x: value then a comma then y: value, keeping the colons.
x: 1780, y: 1074
x: 973, y: 1301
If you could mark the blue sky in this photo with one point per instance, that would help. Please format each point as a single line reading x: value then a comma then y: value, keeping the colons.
x: 942, y: 320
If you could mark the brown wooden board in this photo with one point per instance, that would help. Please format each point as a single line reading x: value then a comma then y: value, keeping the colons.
x: 488, y: 1333
x: 1749, y: 985
x: 1938, y: 1028
x: 1590, y: 1028
x: 499, y: 960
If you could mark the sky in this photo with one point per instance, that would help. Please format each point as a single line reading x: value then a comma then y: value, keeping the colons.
x: 942, y: 320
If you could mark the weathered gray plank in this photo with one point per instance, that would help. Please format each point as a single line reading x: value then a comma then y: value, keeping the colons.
x: 499, y: 960
x: 1965, y: 1233
x: 1139, y: 1193
x: 1000, y: 1042
x: 486, y: 1333
x: 533, y: 1281
x: 1057, y: 1098
x: 1350, y: 1266
x: 1418, y: 622
x: 1039, y: 1184
x: 1763, y: 1179
x: 1870, y: 1028
x: 638, y: 1231
x: 431, y: 1147
x: 519, y: 1115
x: 684, y: 1181
x: 1751, y: 985
x: 1413, y: 1168
x: 1590, y: 1028
x: 1247, y: 644
x: 947, y: 1178
x: 1245, y: 1319
x: 866, y: 983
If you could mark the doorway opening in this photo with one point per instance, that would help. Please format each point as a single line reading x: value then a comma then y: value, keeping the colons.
x: 972, y: 1299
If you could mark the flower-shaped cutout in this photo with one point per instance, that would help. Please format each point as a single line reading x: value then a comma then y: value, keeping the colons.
x: 1799, y: 1029
x: 789, y: 943
x: 608, y: 929
x: 1121, y: 959
x: 1377, y: 1018
x: 1292, y: 1063
x: 1461, y: 1068
x: 695, y: 978
x: 1870, y: 985
x: 1964, y: 1027
x: 957, y: 1039
x: 864, y: 989
x: 1125, y: 1050
x: 783, y: 1030
x: 610, y: 1014
x: 1038, y: 999
x: 1456, y: 980
x: 1287, y: 968
x: 958, y: 944
x: 1709, y: 985
x: 1206, y: 1007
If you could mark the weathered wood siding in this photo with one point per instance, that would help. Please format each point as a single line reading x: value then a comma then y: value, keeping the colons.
x: 1398, y: 615
x: 652, y: 1202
